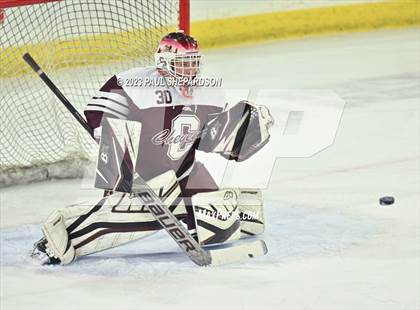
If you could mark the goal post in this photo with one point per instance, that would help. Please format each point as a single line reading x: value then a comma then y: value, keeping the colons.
x: 184, y: 16
x: 80, y: 44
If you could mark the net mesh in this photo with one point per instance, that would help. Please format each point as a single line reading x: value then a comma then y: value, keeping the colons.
x: 79, y: 44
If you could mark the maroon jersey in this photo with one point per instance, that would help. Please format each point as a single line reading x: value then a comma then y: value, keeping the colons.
x: 171, y: 123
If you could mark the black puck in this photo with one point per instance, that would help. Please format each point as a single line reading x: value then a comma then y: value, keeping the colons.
x: 386, y: 201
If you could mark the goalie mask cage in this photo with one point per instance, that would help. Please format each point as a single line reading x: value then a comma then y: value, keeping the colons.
x: 79, y: 44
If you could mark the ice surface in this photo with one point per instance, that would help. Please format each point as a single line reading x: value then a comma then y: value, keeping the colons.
x: 293, y: 232
x: 331, y: 245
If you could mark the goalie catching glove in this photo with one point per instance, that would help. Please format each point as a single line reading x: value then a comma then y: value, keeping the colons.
x: 237, y: 133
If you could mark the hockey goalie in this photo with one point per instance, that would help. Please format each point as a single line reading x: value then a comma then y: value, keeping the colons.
x: 154, y: 131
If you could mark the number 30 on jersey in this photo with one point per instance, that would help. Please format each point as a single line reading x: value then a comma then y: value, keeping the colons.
x: 163, y: 96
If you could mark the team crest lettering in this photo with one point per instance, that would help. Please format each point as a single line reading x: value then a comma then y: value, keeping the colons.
x: 168, y: 137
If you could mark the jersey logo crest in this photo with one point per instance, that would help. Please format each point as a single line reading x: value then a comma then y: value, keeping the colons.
x: 185, y: 130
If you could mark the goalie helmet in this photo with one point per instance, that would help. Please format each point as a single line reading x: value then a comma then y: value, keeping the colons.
x: 178, y: 56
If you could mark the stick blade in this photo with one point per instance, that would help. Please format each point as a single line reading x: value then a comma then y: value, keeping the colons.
x: 239, y: 253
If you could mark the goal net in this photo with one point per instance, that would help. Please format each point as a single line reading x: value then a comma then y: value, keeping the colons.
x: 79, y: 44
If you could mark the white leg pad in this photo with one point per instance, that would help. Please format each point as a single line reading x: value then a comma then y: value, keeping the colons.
x: 250, y: 205
x: 216, y: 217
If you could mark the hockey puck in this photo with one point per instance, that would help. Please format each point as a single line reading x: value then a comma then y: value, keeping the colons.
x: 386, y: 201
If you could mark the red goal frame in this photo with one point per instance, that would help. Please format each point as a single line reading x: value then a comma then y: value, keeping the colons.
x: 184, y: 16
x: 13, y: 3
x: 183, y: 10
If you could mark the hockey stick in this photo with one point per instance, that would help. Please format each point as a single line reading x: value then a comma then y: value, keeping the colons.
x: 32, y: 63
x: 157, y: 208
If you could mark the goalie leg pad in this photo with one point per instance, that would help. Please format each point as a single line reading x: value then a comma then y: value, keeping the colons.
x: 123, y: 218
x: 216, y: 217
x: 113, y: 221
x: 250, y: 204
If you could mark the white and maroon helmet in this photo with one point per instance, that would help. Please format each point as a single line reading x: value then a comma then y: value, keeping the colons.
x: 178, y: 55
